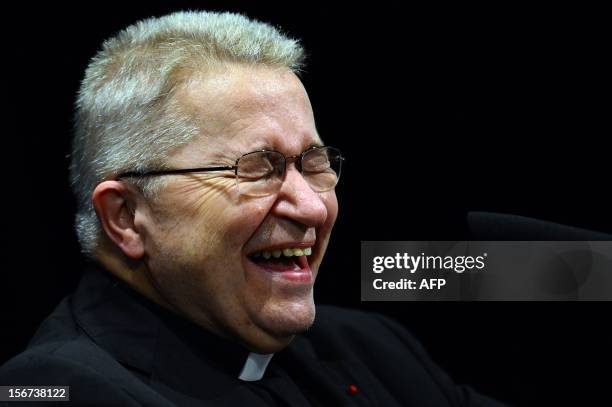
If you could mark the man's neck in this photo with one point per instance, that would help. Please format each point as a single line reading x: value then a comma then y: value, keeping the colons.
x: 134, y: 275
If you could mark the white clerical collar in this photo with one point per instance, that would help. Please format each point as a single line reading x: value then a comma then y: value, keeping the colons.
x: 255, y: 366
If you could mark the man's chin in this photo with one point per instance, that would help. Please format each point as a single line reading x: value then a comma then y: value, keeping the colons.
x: 293, y: 328
x: 292, y: 320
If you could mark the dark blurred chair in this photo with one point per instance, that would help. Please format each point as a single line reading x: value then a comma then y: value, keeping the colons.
x: 498, y: 226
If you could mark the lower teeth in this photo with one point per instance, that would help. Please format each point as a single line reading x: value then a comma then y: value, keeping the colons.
x: 285, y: 261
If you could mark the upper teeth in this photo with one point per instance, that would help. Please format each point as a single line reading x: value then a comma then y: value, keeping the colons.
x: 288, y: 252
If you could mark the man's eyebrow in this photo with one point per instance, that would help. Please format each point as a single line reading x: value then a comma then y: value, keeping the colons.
x: 261, y: 146
x: 266, y: 145
x: 315, y: 144
x: 269, y: 147
x: 224, y: 157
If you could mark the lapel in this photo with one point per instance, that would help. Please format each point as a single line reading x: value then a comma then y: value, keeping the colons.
x: 179, y: 358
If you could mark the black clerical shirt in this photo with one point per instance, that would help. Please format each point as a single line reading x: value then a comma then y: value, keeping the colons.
x: 114, y: 347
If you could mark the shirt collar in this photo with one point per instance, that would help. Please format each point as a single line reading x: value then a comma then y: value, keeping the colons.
x: 255, y: 366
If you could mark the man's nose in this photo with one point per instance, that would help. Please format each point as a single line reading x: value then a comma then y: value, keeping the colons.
x: 296, y: 200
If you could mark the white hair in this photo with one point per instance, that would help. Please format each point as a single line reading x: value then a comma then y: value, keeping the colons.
x: 126, y: 116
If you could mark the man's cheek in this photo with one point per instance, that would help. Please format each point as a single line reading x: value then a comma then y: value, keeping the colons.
x: 205, y: 196
x: 244, y: 219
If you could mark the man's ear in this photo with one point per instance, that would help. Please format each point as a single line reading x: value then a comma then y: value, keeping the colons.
x: 114, y: 203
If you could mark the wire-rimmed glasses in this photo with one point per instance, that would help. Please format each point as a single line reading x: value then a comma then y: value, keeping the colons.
x: 261, y: 173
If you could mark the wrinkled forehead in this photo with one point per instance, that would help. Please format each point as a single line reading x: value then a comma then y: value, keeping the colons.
x: 243, y: 108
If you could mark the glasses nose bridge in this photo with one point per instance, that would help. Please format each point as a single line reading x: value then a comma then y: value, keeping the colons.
x: 296, y: 159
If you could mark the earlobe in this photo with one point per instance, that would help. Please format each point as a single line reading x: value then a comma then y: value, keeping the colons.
x: 115, y: 206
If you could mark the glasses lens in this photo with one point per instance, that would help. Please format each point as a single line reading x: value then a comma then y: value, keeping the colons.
x: 260, y: 173
x: 321, y: 168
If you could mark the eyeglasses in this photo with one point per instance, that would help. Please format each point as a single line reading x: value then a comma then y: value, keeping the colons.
x: 261, y: 173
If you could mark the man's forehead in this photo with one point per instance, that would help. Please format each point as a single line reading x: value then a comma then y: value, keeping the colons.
x: 243, y: 109
x: 239, y: 91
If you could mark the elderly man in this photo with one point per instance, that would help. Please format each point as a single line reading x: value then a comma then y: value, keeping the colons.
x: 206, y: 202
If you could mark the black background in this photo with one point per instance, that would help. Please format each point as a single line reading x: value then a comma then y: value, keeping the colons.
x: 439, y: 111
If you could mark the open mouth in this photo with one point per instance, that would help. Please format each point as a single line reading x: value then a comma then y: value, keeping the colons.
x: 287, y: 261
